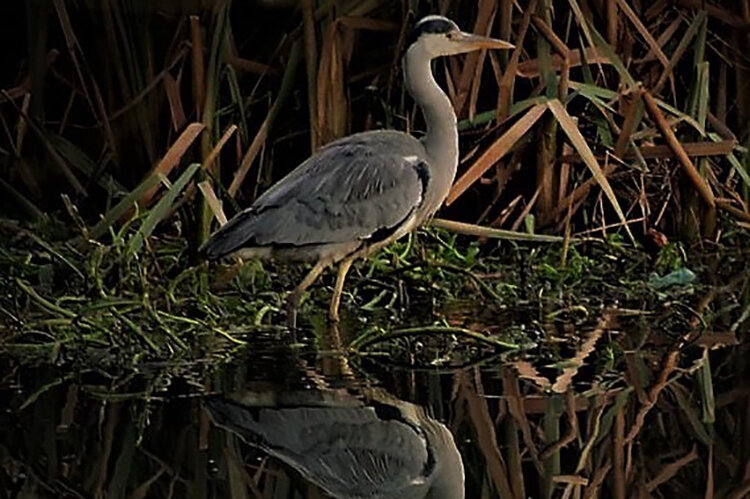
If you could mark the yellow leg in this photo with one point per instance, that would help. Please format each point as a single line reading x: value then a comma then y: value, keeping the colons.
x: 292, y: 301
x: 336, y: 298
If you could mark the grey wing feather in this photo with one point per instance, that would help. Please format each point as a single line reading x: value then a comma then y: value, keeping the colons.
x: 348, y: 190
x: 349, y: 451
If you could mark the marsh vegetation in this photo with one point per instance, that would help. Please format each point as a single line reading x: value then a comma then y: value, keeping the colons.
x: 577, y: 316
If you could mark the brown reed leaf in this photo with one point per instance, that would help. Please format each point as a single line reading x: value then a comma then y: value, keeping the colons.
x: 176, y: 109
x: 664, y: 37
x: 173, y: 156
x: 645, y: 33
x: 250, y: 155
x: 723, y: 15
x: 579, y: 143
x: 474, y: 60
x: 530, y: 68
x: 570, y: 435
x: 262, y: 134
x: 700, y: 184
x: 496, y: 151
x: 612, y: 23
x: 505, y: 92
x: 25, y: 85
x: 253, y: 67
x: 209, y: 161
x: 631, y: 103
x: 213, y: 201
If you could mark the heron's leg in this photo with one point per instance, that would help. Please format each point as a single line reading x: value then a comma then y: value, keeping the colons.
x: 292, y: 301
x: 336, y: 298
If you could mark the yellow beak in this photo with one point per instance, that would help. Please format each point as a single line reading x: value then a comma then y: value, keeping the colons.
x: 476, y: 42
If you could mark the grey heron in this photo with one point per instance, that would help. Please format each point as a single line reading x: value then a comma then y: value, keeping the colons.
x: 373, y: 447
x: 358, y: 194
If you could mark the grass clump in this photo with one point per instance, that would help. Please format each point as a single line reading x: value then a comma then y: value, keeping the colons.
x: 81, y: 300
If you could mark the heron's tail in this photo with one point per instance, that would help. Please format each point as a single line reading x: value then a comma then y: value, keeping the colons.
x: 229, y: 238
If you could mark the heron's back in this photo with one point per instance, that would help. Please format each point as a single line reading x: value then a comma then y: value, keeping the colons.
x: 355, y: 191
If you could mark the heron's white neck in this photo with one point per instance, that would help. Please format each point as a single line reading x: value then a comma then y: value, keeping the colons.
x: 441, y: 141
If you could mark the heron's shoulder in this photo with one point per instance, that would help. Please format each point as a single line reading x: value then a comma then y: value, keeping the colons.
x: 389, y: 142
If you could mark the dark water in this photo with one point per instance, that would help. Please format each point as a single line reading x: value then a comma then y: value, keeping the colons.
x: 306, y: 420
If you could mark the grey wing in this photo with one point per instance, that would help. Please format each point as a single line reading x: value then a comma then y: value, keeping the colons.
x: 348, y: 451
x: 357, y: 188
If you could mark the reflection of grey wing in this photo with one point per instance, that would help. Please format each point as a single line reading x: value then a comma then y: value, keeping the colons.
x: 365, y: 451
x: 353, y: 189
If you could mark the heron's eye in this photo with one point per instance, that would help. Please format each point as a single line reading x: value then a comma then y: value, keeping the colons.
x: 451, y: 35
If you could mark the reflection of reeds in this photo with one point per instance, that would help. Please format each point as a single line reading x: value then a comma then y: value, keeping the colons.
x: 667, y: 419
x: 596, y: 457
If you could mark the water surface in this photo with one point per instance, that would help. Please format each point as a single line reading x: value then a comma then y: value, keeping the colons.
x: 569, y: 416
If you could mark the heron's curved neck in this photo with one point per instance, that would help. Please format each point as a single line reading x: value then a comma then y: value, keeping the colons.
x: 441, y: 141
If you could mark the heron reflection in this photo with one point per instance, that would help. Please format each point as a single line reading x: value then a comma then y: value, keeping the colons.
x: 367, y: 445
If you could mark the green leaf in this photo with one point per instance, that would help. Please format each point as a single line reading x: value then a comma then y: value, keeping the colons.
x: 117, y: 211
x: 603, y: 47
x: 160, y: 211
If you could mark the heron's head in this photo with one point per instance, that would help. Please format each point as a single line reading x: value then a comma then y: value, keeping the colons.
x: 438, y: 36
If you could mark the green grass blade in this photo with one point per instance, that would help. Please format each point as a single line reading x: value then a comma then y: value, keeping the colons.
x: 160, y: 211
x: 606, y: 49
x: 117, y: 211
